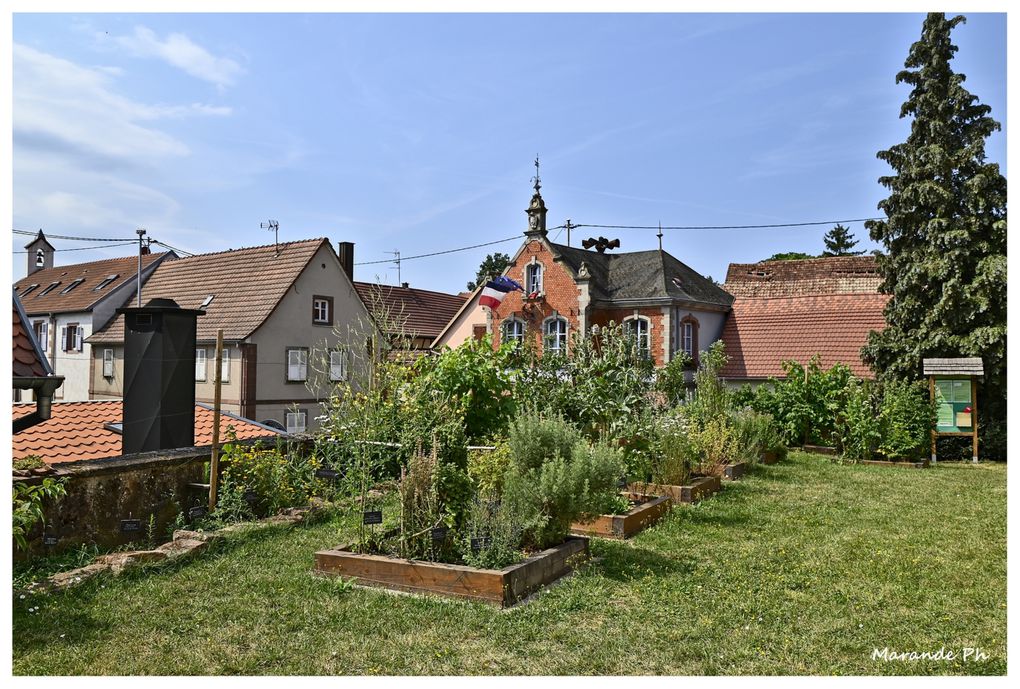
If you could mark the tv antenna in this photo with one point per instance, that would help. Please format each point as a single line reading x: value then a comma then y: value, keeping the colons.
x: 274, y: 227
x: 396, y: 260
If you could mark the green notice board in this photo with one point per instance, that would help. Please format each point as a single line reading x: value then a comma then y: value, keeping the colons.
x: 955, y: 407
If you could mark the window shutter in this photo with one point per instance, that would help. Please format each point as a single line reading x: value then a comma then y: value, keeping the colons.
x: 108, y: 363
x: 200, y: 364
x: 79, y: 338
x: 337, y: 365
x: 225, y: 372
x: 63, y: 338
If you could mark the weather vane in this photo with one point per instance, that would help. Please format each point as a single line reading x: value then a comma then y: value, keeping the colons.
x: 536, y: 179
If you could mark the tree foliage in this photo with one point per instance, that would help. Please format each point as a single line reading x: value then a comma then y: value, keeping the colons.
x: 839, y: 241
x: 492, y: 266
x: 789, y: 256
x: 945, y: 229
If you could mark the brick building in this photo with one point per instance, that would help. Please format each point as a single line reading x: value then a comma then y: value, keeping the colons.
x: 665, y: 304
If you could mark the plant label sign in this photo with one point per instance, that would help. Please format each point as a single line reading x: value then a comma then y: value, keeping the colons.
x: 330, y: 474
x: 439, y: 533
x: 251, y: 496
x: 372, y: 517
x: 196, y: 512
x: 49, y: 540
x: 130, y: 525
x: 621, y: 482
x: 480, y: 542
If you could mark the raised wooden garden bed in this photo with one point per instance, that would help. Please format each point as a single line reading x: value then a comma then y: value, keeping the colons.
x: 700, y: 487
x: 769, y: 458
x: 650, y: 509
x: 909, y: 465
x: 735, y: 471
x: 820, y: 449
x: 502, y: 587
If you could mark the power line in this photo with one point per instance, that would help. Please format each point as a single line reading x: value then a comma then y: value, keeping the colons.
x: 164, y: 244
x: 72, y: 238
x: 724, y: 227
x: 86, y: 248
x: 440, y: 253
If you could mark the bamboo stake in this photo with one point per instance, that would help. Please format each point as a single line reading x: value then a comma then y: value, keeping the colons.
x: 214, y: 463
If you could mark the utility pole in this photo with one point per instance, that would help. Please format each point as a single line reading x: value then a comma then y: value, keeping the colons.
x: 274, y: 227
x: 214, y: 462
x: 141, y: 233
x: 569, y: 227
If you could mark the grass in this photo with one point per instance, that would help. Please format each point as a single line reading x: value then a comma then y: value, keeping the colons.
x: 802, y: 568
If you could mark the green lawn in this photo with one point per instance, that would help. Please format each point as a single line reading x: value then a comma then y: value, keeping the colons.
x: 802, y: 568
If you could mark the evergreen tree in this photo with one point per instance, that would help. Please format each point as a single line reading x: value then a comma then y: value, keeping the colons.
x: 945, y: 234
x: 839, y: 241
x: 492, y: 266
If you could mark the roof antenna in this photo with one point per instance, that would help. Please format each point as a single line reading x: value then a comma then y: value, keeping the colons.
x: 660, y: 235
x: 274, y: 226
x: 397, y: 261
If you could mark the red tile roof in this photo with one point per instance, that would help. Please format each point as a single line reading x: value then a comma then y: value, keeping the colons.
x: 84, y: 296
x: 832, y: 275
x: 28, y: 361
x: 760, y: 334
x: 247, y: 284
x: 77, y: 431
x: 419, y: 312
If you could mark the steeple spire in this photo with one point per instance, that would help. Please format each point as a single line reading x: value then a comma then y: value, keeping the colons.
x: 536, y: 209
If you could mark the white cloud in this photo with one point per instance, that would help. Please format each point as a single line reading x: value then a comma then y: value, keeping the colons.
x: 180, y: 51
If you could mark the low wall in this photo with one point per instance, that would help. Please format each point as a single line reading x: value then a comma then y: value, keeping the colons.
x: 101, y: 493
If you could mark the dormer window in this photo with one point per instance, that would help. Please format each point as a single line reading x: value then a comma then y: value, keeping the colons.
x: 105, y: 282
x: 29, y: 289
x: 74, y: 283
x: 533, y: 279
x: 208, y: 300
x: 52, y: 286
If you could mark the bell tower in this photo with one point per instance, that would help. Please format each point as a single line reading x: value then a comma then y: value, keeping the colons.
x: 40, y: 254
x: 536, y: 209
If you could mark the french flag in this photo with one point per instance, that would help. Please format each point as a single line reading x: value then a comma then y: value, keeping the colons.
x: 495, y: 290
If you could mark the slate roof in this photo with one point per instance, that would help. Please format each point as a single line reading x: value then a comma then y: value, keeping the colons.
x: 642, y: 275
x: 420, y: 312
x: 969, y: 366
x: 29, y: 359
x: 760, y: 334
x: 831, y: 275
x: 77, y: 431
x: 247, y: 284
x: 84, y: 296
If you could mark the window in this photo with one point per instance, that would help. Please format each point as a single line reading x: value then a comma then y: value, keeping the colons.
x: 297, y: 421
x: 337, y: 364
x: 208, y: 300
x: 556, y: 335
x: 200, y: 373
x: 107, y: 363
x: 49, y: 288
x: 689, y: 337
x: 322, y: 310
x: 71, y: 338
x: 533, y: 278
x: 42, y: 333
x: 29, y: 289
x: 74, y: 283
x: 105, y: 282
x: 637, y: 329
x: 225, y: 366
x: 297, y: 365
x: 513, y: 330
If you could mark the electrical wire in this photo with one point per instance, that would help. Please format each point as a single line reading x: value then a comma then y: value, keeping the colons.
x: 86, y: 248
x: 165, y: 245
x: 76, y: 239
x: 724, y: 227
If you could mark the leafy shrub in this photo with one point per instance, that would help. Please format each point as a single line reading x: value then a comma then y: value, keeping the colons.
x: 28, y: 504
x: 671, y: 379
x: 907, y: 418
x: 860, y: 428
x: 535, y: 438
x: 807, y: 403
x: 754, y: 434
x: 676, y: 451
x: 716, y: 447
x: 488, y: 467
x: 492, y: 537
x: 275, y: 477
x: 711, y: 398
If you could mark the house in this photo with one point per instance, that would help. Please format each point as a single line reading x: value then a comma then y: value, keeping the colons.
x: 666, y: 305
x: 798, y: 309
x: 30, y: 370
x: 66, y: 304
x: 411, y: 318
x: 83, y: 431
x: 293, y: 325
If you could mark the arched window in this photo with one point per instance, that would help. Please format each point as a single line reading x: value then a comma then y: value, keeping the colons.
x: 513, y: 330
x: 689, y: 337
x: 556, y: 335
x: 533, y: 278
x: 638, y: 329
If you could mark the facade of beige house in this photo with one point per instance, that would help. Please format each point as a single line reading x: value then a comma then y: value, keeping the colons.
x: 293, y: 327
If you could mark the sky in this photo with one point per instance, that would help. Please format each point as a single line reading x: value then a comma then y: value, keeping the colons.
x: 417, y: 133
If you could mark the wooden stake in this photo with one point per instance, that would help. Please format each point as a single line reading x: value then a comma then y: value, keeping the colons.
x: 974, y: 418
x: 214, y: 463
x: 934, y: 431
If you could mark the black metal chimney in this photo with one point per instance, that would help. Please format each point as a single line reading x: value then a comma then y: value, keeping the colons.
x: 159, y: 376
x: 345, y: 251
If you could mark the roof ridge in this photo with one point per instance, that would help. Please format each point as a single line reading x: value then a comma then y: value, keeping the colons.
x: 317, y: 240
x: 416, y: 289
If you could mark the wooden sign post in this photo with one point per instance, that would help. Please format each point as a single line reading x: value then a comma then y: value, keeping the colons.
x: 952, y: 384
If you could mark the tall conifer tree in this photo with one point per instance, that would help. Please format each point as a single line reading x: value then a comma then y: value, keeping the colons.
x: 945, y: 230
x: 839, y: 241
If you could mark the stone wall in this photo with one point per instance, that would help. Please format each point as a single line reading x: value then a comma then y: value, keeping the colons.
x: 103, y: 493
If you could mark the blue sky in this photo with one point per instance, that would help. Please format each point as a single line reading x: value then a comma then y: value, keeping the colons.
x: 417, y: 132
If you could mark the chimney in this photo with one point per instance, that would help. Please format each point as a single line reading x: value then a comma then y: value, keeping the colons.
x: 405, y: 285
x: 40, y: 254
x: 159, y: 376
x: 345, y: 250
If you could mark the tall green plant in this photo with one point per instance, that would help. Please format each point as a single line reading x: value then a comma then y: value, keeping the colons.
x: 28, y: 504
x: 711, y: 398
